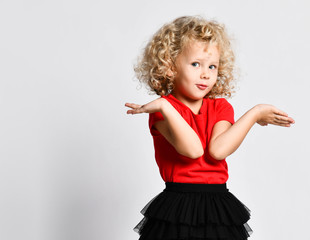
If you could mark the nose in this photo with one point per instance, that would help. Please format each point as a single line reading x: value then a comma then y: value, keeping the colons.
x: 205, y: 74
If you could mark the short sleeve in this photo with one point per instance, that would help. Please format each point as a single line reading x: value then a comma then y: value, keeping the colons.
x: 157, y: 116
x: 153, y: 118
x: 224, y: 111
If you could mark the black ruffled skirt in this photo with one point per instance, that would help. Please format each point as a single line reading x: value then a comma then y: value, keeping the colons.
x: 194, y: 211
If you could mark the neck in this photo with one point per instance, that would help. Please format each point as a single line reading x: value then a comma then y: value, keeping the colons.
x: 193, y: 105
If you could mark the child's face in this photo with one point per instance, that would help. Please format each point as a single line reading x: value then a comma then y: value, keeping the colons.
x: 196, y: 70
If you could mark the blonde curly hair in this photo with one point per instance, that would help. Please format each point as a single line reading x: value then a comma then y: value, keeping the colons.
x: 156, y: 65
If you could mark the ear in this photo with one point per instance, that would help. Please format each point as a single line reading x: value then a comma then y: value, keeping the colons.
x: 171, y: 72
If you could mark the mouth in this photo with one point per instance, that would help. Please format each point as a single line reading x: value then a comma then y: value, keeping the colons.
x: 201, y: 86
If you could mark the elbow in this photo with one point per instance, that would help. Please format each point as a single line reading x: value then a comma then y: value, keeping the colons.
x: 217, y: 154
x: 192, y: 153
x: 196, y: 154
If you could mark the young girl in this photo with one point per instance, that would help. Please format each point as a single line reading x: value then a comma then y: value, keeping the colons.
x: 189, y: 64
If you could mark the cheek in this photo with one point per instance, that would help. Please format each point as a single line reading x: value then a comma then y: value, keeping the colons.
x: 182, y: 78
x: 214, y: 82
x: 215, y: 77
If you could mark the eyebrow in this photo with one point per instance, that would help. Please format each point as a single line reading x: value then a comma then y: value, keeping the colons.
x: 213, y: 62
x: 203, y: 59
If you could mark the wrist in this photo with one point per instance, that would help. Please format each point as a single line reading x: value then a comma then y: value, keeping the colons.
x: 163, y: 105
x: 257, y: 110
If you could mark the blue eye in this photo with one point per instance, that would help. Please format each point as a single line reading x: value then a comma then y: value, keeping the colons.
x: 212, y: 67
x: 195, y: 64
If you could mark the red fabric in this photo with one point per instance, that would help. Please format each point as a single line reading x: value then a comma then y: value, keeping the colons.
x: 175, y: 167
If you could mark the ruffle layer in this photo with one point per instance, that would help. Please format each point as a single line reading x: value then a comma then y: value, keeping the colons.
x: 194, y: 215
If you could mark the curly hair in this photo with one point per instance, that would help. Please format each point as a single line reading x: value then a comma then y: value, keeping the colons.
x: 156, y: 65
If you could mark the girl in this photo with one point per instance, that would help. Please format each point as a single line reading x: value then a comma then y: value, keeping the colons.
x: 189, y: 64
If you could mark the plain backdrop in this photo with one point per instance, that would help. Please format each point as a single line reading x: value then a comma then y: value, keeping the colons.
x: 74, y: 166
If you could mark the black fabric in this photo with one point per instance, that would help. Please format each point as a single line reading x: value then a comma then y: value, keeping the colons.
x: 194, y: 211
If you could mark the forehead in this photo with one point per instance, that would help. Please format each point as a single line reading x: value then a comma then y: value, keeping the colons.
x: 201, y: 49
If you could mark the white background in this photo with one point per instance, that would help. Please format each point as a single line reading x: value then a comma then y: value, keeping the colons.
x: 74, y: 166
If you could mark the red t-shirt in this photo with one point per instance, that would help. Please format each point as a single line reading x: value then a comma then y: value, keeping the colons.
x: 175, y: 167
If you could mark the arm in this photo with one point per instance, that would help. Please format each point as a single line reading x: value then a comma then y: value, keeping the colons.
x: 226, y: 138
x: 174, y: 128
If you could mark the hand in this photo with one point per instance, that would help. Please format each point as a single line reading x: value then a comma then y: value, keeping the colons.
x: 151, y: 107
x: 268, y: 114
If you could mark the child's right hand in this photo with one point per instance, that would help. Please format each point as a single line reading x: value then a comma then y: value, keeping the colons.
x: 268, y: 114
x: 151, y: 107
x: 174, y: 128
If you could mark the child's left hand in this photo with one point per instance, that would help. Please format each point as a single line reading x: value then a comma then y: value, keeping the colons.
x: 268, y: 114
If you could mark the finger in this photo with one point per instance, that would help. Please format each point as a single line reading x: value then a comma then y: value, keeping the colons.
x: 128, y: 104
x: 136, y: 110
x: 281, y: 124
x: 133, y: 105
x: 282, y: 119
x: 131, y: 112
x: 279, y: 112
x: 292, y: 120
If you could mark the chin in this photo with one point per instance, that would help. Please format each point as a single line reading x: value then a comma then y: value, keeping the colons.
x: 202, y: 95
x: 197, y: 98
